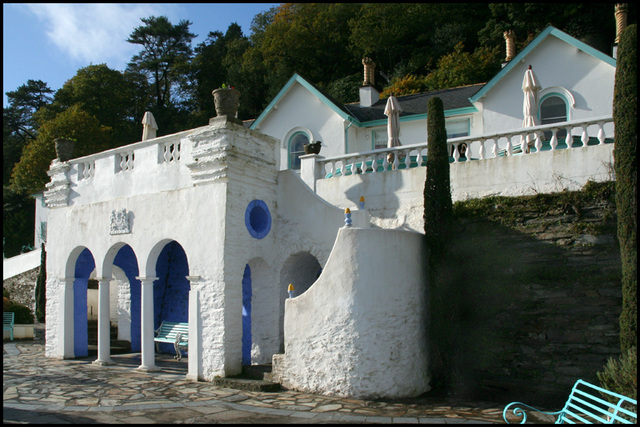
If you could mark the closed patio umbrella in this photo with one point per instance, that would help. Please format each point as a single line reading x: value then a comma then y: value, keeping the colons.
x: 149, y: 126
x: 392, y: 110
x: 530, y: 89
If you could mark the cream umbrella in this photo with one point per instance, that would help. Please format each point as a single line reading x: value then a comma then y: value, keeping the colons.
x: 149, y: 126
x: 392, y: 110
x: 530, y: 88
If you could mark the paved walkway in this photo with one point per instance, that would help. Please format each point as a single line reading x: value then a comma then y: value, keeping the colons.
x: 41, y: 390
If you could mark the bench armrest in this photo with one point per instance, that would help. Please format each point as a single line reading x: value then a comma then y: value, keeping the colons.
x: 519, y: 412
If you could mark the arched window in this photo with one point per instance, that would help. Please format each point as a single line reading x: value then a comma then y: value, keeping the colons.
x: 553, y: 109
x: 296, y: 148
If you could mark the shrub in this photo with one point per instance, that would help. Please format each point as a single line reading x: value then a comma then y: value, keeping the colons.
x: 621, y: 375
x: 23, y: 314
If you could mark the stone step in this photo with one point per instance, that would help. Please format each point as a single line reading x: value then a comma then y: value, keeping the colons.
x: 246, y: 384
x: 252, y: 378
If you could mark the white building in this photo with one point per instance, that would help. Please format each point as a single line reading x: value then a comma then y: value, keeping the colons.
x: 209, y: 226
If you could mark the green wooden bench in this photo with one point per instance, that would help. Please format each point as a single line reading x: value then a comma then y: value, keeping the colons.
x: 7, y: 323
x: 176, y: 333
x: 585, y: 407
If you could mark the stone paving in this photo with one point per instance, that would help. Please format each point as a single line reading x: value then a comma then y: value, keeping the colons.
x: 41, y: 390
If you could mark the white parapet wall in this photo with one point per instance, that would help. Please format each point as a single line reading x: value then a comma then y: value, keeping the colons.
x: 361, y: 328
x: 20, y: 263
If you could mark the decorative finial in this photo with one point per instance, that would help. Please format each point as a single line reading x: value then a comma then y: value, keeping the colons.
x: 361, y: 202
x: 347, y: 217
x: 290, y: 290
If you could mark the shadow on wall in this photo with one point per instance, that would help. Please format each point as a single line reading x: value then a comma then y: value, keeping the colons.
x: 522, y: 315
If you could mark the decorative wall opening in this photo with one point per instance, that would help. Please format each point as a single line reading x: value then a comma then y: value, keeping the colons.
x: 246, y: 316
x: 85, y: 264
x: 171, y: 290
x: 257, y: 219
x: 301, y: 270
x: 127, y: 261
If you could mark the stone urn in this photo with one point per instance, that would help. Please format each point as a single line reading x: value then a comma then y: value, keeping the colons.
x: 64, y: 149
x: 226, y: 101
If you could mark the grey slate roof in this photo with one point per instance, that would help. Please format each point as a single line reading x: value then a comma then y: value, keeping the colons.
x: 452, y: 99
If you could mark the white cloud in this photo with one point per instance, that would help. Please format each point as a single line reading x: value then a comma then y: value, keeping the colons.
x: 95, y: 33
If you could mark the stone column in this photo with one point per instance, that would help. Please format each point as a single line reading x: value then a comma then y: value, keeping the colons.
x: 104, y: 323
x: 148, y: 355
x: 66, y: 326
x: 195, y: 330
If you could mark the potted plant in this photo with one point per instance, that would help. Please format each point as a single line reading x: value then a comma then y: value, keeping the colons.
x: 64, y: 148
x: 227, y: 100
x: 312, y: 147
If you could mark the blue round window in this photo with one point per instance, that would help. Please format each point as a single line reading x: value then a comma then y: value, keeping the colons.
x: 257, y: 219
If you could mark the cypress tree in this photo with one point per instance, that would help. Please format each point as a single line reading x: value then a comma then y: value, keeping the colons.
x: 625, y: 116
x: 438, y: 207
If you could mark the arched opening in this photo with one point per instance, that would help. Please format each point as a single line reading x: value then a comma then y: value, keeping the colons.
x: 553, y: 109
x: 84, y: 266
x: 171, y: 291
x: 296, y: 148
x: 127, y: 300
x: 301, y: 270
x: 246, y: 316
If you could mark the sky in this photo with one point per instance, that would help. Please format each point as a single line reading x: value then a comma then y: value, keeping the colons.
x: 51, y: 41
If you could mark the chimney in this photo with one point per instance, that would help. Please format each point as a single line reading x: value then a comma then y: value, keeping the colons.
x: 621, y: 19
x: 368, y: 93
x: 509, y: 38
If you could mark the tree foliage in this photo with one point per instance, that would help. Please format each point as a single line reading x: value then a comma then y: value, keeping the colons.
x: 438, y: 208
x: 625, y: 117
x: 30, y: 173
x: 166, y: 51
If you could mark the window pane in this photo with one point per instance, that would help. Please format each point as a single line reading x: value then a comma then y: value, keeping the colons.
x: 296, y: 149
x: 553, y: 110
x: 457, y: 129
x: 380, y: 138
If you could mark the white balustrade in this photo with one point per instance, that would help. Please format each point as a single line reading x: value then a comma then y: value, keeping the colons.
x: 86, y: 170
x: 503, y: 144
x: 126, y: 161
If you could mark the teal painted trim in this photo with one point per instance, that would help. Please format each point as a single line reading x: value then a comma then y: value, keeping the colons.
x: 298, y: 79
x: 423, y: 116
x: 558, y: 95
x: 531, y: 46
x: 273, y: 102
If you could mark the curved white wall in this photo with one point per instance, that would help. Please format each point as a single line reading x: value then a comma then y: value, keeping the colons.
x: 361, y: 329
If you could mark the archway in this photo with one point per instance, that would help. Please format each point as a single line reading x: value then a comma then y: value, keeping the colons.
x: 128, y: 301
x: 84, y: 266
x: 301, y: 270
x: 171, y: 291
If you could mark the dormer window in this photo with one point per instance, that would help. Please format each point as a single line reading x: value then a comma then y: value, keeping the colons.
x: 553, y: 109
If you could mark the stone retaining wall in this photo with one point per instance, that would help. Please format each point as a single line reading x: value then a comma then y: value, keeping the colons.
x: 533, y: 300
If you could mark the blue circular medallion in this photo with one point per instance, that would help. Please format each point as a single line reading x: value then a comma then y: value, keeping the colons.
x: 257, y: 219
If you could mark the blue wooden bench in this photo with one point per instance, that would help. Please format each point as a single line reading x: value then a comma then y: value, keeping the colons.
x: 176, y: 333
x: 585, y: 407
x: 7, y: 323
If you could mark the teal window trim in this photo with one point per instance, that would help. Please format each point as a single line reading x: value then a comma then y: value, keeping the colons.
x: 551, y: 95
x: 291, y: 138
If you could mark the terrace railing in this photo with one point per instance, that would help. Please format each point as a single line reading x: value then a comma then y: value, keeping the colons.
x: 583, y: 133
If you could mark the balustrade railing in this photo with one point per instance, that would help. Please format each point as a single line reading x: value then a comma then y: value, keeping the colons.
x: 526, y: 141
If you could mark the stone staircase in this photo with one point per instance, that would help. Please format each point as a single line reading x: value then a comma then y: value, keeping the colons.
x: 117, y: 346
x: 252, y: 378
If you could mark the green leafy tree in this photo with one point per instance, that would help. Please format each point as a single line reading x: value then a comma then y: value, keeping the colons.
x: 18, y: 121
x: 30, y: 173
x: 166, y: 51
x: 17, y: 221
x: 310, y: 39
x: 105, y: 94
x: 625, y: 117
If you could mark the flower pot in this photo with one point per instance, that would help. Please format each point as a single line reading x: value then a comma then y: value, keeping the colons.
x: 226, y: 102
x: 64, y: 149
x: 312, y: 147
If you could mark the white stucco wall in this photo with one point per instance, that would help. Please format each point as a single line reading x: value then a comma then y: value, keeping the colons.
x: 360, y: 330
x: 395, y: 199
x: 556, y: 64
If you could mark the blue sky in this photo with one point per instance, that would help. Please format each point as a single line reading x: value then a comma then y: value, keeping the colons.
x: 50, y: 42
